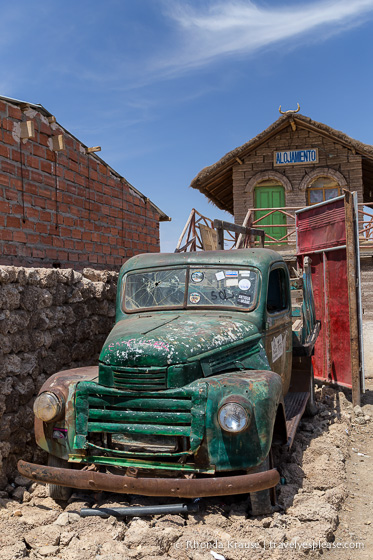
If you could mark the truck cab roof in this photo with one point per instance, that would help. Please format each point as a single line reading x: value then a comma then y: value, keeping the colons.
x: 260, y: 258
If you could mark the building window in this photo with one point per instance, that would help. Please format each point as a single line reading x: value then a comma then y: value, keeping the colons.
x: 321, y: 189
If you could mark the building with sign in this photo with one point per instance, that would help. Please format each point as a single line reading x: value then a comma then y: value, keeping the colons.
x: 295, y: 162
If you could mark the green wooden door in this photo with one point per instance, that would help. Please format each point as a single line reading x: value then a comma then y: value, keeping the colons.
x: 270, y: 196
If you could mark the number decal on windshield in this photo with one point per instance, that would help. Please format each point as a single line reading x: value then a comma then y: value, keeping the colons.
x: 222, y: 294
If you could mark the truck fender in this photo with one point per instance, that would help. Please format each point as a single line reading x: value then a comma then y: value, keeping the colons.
x: 63, y: 385
x: 262, y: 391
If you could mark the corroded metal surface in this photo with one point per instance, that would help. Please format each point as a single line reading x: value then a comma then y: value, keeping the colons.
x: 178, y: 412
x: 162, y: 339
x: 164, y: 374
x: 181, y: 488
x: 295, y: 404
x: 63, y: 384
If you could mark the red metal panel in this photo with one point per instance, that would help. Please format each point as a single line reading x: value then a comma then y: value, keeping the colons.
x: 320, y: 229
x: 331, y: 360
x: 321, y: 226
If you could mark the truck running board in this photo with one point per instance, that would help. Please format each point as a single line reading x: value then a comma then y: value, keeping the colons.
x: 295, y: 405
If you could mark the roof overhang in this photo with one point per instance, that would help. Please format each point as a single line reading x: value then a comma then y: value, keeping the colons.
x: 216, y: 181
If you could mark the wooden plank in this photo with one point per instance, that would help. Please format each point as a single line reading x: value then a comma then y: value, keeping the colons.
x: 58, y: 143
x: 27, y: 130
x: 220, y: 232
x: 185, y: 228
x: 209, y: 238
x: 352, y: 297
x: 236, y: 228
x: 222, y: 226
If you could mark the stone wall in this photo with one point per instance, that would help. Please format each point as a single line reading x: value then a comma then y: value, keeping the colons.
x: 50, y: 320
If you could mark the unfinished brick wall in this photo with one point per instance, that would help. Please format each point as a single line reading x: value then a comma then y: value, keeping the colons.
x: 65, y: 208
x: 334, y: 157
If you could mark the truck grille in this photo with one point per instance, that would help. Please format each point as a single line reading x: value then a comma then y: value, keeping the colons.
x: 140, y: 379
x: 176, y: 413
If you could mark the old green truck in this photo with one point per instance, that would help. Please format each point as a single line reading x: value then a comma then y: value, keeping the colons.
x: 206, y: 368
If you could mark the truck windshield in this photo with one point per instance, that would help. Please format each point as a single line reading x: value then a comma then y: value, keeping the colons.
x: 192, y: 287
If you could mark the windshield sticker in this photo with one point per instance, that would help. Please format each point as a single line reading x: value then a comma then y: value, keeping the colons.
x: 277, y: 347
x: 197, y: 276
x: 244, y: 284
x: 245, y: 273
x: 231, y: 282
x: 243, y: 299
x: 220, y: 276
x: 231, y: 273
x: 194, y: 297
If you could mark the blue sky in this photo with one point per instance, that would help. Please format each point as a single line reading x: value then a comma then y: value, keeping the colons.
x: 166, y: 87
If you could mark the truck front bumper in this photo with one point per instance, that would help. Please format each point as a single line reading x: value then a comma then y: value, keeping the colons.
x: 166, y: 487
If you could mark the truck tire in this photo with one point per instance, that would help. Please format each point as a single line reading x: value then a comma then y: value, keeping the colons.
x: 54, y: 491
x: 261, y: 502
x: 311, y: 407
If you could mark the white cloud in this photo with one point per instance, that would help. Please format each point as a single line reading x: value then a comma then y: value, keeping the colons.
x: 236, y: 27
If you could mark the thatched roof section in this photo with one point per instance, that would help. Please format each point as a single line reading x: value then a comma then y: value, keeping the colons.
x: 216, y: 180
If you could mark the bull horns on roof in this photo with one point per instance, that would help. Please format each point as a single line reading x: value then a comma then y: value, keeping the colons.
x: 290, y: 111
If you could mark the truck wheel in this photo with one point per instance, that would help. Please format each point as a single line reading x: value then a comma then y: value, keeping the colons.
x: 54, y: 491
x: 261, y: 502
x: 311, y: 408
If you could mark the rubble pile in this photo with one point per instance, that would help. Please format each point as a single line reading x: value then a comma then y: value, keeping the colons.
x: 311, y: 493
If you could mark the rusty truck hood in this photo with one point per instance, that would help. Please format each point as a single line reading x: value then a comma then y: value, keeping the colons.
x: 162, y: 339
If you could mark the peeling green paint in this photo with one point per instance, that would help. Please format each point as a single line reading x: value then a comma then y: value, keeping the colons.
x: 164, y: 374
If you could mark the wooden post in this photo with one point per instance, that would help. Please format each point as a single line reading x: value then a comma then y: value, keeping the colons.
x: 218, y: 225
x: 352, y: 297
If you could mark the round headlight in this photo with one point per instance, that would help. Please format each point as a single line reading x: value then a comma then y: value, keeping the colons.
x: 233, y: 417
x: 47, y: 406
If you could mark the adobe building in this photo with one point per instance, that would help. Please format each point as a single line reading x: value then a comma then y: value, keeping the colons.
x: 293, y: 163
x: 60, y: 204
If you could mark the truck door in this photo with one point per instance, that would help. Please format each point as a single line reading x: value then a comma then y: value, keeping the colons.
x: 278, y: 323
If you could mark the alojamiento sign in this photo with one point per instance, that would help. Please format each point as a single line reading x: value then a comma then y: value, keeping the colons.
x: 310, y: 155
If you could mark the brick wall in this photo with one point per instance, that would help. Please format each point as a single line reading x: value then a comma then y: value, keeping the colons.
x: 65, y: 208
x: 333, y: 157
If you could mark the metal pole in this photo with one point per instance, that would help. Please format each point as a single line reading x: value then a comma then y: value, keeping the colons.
x: 135, y: 511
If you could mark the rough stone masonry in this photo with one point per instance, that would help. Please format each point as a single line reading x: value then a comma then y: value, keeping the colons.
x: 50, y: 320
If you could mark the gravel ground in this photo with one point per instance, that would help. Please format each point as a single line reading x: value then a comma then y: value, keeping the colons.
x: 314, y: 492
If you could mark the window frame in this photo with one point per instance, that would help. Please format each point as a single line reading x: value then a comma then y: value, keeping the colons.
x: 186, y: 306
x: 286, y: 309
x: 322, y: 188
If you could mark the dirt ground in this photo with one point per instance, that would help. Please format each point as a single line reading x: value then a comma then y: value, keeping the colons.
x: 324, y: 507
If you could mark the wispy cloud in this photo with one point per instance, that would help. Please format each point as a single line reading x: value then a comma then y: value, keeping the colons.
x: 225, y: 28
